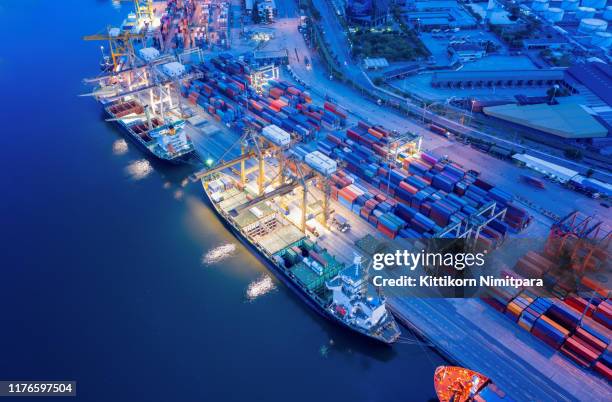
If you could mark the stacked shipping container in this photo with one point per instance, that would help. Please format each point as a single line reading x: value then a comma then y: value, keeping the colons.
x: 578, y: 328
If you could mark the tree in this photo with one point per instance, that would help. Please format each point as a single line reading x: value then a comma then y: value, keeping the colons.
x: 589, y: 172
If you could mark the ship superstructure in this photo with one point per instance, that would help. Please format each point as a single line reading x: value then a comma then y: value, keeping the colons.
x: 354, y: 300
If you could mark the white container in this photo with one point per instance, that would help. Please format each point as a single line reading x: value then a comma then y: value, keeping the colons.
x: 585, y: 12
x: 173, y: 69
x: 570, y: 5
x: 148, y: 53
x: 607, y: 14
x: 590, y: 25
x: 539, y: 5
x: 602, y: 39
x: 276, y: 135
x: 321, y: 163
x: 597, y: 4
x: 554, y: 14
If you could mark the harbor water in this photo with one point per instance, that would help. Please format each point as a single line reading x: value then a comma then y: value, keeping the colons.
x: 116, y: 275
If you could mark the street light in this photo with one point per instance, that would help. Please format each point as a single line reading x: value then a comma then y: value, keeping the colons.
x: 555, y: 89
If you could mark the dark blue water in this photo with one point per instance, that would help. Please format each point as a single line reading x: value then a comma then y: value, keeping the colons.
x: 102, y: 280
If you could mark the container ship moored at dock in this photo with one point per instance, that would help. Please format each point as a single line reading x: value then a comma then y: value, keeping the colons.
x: 166, y: 141
x: 339, y: 293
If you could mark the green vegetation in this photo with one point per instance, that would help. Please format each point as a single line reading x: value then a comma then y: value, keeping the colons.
x: 393, y: 46
x: 514, y: 35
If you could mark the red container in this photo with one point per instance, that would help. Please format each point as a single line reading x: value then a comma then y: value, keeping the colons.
x: 604, y: 370
x: 386, y: 231
x: 575, y: 357
x: 353, y: 135
x: 408, y: 187
x: 594, y: 343
x: 580, y: 305
x: 329, y: 106
x: 365, y: 212
x: 375, y: 133
x: 581, y: 349
x: 276, y: 93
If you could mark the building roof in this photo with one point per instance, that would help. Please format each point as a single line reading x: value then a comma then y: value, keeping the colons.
x: 270, y: 54
x: 566, y: 120
x: 498, y: 75
x: 597, y: 77
x: 379, y: 62
x: 548, y: 168
x: 468, y: 46
x: 435, y: 5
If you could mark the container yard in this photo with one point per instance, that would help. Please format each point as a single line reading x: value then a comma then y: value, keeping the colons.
x: 316, y: 190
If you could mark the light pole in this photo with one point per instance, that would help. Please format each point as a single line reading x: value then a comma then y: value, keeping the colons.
x: 555, y: 89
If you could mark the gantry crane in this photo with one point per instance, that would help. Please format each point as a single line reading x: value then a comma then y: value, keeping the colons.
x: 144, y: 10
x: 253, y: 145
x: 120, y: 44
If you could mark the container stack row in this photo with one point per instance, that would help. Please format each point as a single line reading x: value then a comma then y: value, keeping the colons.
x: 430, y: 193
x: 581, y: 329
x: 223, y: 91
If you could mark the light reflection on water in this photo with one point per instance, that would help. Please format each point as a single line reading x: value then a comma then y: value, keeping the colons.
x: 260, y: 287
x: 120, y: 147
x: 139, y: 169
x: 219, y: 254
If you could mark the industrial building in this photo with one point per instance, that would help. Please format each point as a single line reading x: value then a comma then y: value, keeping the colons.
x: 566, y: 120
x: 368, y: 12
x: 465, y: 52
x: 265, y: 9
x: 276, y: 57
x: 512, y: 78
x: 438, y: 14
x: 596, y: 77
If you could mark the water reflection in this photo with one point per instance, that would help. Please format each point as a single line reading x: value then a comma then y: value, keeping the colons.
x: 120, y: 147
x: 219, y: 254
x: 139, y: 169
x: 260, y: 287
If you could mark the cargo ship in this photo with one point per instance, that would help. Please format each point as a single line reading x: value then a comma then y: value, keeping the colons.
x: 335, y: 291
x: 458, y: 384
x: 166, y: 141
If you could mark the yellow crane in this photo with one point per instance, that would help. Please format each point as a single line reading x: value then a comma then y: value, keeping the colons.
x: 144, y: 10
x: 120, y: 44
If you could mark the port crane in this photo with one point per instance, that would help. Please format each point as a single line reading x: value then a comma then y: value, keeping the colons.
x: 120, y: 45
x: 253, y: 145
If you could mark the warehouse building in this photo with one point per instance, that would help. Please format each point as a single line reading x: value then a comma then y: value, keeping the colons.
x: 511, y: 78
x: 568, y: 121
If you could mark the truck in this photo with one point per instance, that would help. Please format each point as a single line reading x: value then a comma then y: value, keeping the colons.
x: 439, y: 130
x: 341, y: 223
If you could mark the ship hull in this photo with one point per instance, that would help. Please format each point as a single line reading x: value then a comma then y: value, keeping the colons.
x: 283, y: 277
x: 135, y: 139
